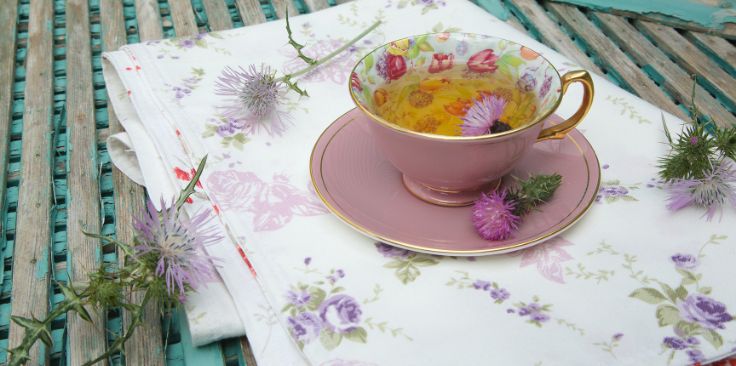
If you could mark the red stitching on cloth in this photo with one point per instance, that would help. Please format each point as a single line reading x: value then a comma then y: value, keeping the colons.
x: 247, y: 262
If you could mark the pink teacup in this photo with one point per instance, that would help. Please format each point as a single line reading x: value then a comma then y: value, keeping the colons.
x: 453, y: 170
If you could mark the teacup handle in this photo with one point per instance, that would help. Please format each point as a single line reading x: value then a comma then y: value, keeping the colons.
x: 559, y: 131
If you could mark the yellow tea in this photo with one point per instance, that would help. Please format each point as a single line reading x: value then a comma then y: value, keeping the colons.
x: 456, y: 103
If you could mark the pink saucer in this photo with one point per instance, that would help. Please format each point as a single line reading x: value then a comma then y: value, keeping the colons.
x: 364, y: 190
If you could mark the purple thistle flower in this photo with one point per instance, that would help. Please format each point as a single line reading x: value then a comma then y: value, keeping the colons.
x: 482, y: 115
x: 493, y: 216
x: 717, y: 188
x: 177, y: 242
x: 254, y: 95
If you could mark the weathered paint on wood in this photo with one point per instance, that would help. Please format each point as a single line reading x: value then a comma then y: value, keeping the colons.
x: 315, y: 5
x: 183, y: 16
x: 631, y: 74
x: 149, y: 19
x: 719, y: 48
x: 145, y: 346
x: 250, y: 11
x: 7, y: 71
x: 250, y: 359
x: 281, y: 5
x: 217, y: 15
x: 552, y: 35
x: 86, y: 340
x: 210, y: 354
x: 677, y: 82
x: 691, y: 59
x: 701, y: 16
x: 514, y: 22
x: 33, y: 227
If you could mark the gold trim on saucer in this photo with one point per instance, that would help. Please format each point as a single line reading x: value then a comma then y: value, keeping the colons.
x: 448, y: 252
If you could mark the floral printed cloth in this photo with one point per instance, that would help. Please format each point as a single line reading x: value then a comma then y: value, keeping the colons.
x: 630, y: 284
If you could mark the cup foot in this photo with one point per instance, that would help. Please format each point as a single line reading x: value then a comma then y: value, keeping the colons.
x: 447, y: 198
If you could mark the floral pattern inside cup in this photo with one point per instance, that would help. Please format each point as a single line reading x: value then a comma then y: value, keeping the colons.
x: 428, y: 58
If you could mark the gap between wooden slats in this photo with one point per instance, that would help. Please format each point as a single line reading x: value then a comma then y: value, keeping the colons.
x: 86, y: 340
x: 609, y: 53
x: 718, y: 48
x: 551, y: 34
x: 280, y: 7
x: 691, y: 59
x: 250, y: 12
x: 145, y: 346
x: 32, y: 250
x: 7, y: 71
x: 675, y: 80
x: 217, y: 15
x: 182, y: 15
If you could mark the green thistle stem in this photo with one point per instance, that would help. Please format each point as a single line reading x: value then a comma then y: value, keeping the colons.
x: 330, y: 55
x: 21, y: 354
x: 533, y: 192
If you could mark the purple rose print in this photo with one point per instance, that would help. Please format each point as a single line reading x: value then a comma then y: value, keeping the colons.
x: 305, y: 327
x: 340, y: 312
x: 674, y: 343
x: 685, y: 261
x: 391, y: 252
x: 186, y: 43
x: 336, y: 71
x: 481, y: 285
x: 180, y: 92
x: 187, y: 84
x: 540, y: 317
x: 526, y: 83
x: 499, y: 294
x: 535, y: 312
x: 298, y: 298
x: 696, y: 355
x: 705, y: 311
x: 229, y: 126
x: 605, y: 192
x: 336, y: 275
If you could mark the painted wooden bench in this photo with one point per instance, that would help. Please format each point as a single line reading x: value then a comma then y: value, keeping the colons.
x: 56, y: 178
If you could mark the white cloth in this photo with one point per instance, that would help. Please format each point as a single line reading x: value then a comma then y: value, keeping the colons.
x: 611, y: 291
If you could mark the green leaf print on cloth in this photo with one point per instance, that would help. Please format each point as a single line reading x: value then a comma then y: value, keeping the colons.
x: 687, y: 308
